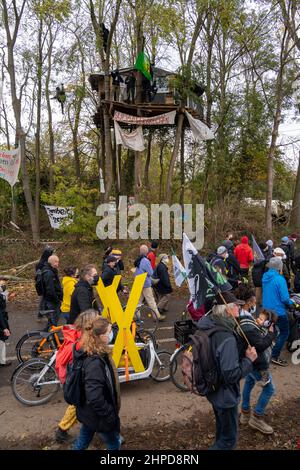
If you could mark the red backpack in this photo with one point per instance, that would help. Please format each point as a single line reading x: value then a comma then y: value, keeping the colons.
x: 64, y: 354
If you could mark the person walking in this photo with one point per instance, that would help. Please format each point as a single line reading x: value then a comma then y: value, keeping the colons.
x: 4, y: 325
x: 83, y: 297
x: 163, y: 288
x: 142, y: 265
x: 276, y: 297
x: 52, y: 289
x: 152, y: 253
x: 231, y: 366
x: 244, y: 254
x: 262, y: 341
x: 68, y: 285
x: 110, y: 271
x: 99, y: 410
x: 48, y: 251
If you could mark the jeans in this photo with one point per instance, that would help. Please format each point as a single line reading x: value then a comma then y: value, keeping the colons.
x: 284, y: 331
x: 226, y: 428
x: 111, y: 439
x: 263, y: 398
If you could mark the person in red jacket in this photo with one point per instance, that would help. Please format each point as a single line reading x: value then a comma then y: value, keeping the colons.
x: 152, y: 254
x: 244, y: 254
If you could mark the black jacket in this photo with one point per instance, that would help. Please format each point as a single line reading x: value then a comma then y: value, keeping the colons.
x: 3, y: 318
x: 99, y: 410
x: 233, y: 267
x: 108, y: 275
x: 52, y: 288
x: 258, y: 270
x: 232, y: 367
x: 48, y: 251
x: 258, y: 337
x: 81, y: 300
x: 164, y: 284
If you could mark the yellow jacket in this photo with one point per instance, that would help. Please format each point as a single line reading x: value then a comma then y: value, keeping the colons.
x: 68, y: 284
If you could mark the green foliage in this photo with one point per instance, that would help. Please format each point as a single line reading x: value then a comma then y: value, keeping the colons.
x: 83, y: 200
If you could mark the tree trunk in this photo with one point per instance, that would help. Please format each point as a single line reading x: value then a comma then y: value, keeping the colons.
x: 49, y: 110
x: 295, y: 217
x: 182, y: 179
x: 276, y: 122
x: 38, y: 129
x: 168, y: 192
x: 147, y: 164
x: 16, y: 103
x: 161, y: 176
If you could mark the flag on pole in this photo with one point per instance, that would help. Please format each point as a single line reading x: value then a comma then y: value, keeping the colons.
x: 203, y: 280
x: 258, y: 254
x: 179, y: 272
x: 143, y: 65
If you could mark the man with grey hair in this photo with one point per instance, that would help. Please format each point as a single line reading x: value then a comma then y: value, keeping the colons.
x: 143, y: 265
x: 276, y: 297
x: 231, y: 368
x: 52, y: 289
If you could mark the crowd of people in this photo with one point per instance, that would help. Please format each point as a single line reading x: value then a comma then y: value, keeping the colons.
x: 253, y: 316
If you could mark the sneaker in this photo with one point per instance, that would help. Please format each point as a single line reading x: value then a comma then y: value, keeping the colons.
x: 244, y: 417
x: 258, y: 422
x: 61, y: 436
x: 263, y: 383
x: 162, y: 317
x: 279, y: 361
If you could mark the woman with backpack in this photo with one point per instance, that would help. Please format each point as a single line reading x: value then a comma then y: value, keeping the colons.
x: 98, y: 411
x: 72, y: 335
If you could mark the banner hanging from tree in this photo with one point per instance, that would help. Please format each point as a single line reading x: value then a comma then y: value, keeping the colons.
x: 166, y: 118
x: 200, y: 130
x: 179, y: 272
x: 10, y: 161
x: 130, y: 140
x: 58, y: 215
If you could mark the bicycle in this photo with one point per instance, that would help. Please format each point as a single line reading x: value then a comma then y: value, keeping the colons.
x: 182, y: 330
x: 39, y: 343
x: 146, y: 319
x: 35, y: 382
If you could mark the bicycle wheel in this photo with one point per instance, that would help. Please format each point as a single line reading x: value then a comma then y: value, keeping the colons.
x: 175, y: 369
x: 146, y: 319
x: 24, y: 383
x: 161, y: 368
x: 33, y: 345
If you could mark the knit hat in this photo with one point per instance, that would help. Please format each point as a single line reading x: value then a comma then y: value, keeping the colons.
x: 275, y: 263
x: 116, y: 252
x: 269, y: 243
x: 285, y: 240
x: 244, y: 239
x: 294, y: 235
x: 221, y: 250
x: 279, y: 251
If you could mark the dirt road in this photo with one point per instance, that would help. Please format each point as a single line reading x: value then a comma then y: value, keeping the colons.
x: 153, y: 415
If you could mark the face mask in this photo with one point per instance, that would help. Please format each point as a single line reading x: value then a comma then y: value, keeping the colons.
x: 226, y: 256
x: 3, y: 288
x: 95, y: 280
x: 252, y: 309
x: 111, y: 336
x: 266, y: 324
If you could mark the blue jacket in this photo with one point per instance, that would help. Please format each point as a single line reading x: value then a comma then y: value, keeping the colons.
x: 144, y: 266
x: 275, y: 292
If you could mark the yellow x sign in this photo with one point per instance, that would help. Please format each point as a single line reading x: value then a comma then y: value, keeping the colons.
x: 124, y: 320
x: 103, y: 294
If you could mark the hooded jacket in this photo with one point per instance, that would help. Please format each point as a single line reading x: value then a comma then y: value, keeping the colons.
x: 143, y: 265
x: 48, y: 251
x: 65, y: 352
x: 275, y: 292
x: 244, y: 253
x: 53, y: 293
x: 164, y: 284
x: 81, y: 300
x: 231, y: 367
x: 68, y: 285
x: 100, y: 408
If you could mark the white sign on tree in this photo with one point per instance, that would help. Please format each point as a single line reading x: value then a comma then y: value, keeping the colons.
x: 57, y: 215
x: 9, y: 165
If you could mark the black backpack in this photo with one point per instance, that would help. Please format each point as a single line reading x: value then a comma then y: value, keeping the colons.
x: 39, y: 282
x: 74, y: 386
x: 199, y: 367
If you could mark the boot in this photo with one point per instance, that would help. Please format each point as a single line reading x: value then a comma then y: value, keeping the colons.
x: 161, y: 317
x: 258, y: 422
x: 245, y: 416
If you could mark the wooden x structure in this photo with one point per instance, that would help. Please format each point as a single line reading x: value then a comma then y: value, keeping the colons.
x: 124, y: 319
x: 103, y: 294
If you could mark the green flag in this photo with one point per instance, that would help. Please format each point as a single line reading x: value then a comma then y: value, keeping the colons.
x: 143, y: 65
